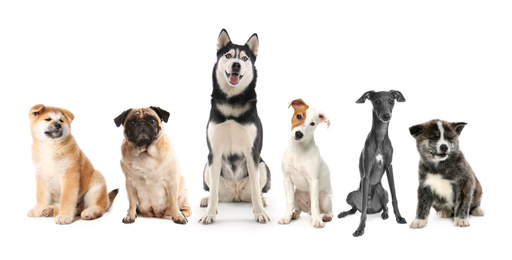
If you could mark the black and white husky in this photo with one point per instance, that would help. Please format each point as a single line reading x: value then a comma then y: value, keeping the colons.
x: 235, y: 170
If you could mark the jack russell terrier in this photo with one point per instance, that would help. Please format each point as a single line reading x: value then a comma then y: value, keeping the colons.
x: 304, y: 168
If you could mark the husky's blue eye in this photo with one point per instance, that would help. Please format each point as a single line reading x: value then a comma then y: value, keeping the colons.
x: 229, y: 56
x: 244, y: 58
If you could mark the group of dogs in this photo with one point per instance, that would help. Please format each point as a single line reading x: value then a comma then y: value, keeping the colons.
x: 68, y: 185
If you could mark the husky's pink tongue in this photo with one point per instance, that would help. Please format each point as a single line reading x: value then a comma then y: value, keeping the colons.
x: 233, y: 78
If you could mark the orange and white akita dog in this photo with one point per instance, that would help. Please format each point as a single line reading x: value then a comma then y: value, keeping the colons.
x: 67, y: 183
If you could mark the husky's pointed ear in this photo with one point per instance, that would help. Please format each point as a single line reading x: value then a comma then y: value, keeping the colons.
x: 398, y: 96
x: 324, y: 119
x: 458, y: 127
x: 416, y: 130
x: 365, y: 96
x: 297, y: 103
x: 164, y: 115
x: 223, y: 39
x: 119, y: 120
x: 36, y: 110
x: 68, y: 114
x: 253, y: 44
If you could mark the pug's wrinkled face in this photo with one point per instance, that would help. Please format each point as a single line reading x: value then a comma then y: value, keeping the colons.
x: 142, y: 126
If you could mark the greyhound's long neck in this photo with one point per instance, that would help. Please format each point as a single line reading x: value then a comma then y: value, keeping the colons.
x: 379, y: 129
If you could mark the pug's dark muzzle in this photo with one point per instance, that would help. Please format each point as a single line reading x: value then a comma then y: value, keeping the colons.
x: 141, y: 133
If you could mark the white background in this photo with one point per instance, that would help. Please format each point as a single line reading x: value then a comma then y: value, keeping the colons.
x: 450, y: 59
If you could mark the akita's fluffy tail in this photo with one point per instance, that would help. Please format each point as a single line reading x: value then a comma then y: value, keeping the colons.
x: 111, y: 196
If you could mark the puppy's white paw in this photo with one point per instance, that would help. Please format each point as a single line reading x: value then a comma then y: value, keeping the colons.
x: 63, y: 219
x: 284, y: 221
x: 208, y: 218
x: 317, y: 223
x: 419, y: 223
x: 461, y: 222
x: 261, y: 217
x: 34, y: 213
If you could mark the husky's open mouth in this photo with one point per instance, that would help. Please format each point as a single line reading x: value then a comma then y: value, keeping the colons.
x: 234, y: 78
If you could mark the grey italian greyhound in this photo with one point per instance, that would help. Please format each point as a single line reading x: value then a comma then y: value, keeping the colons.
x: 376, y: 158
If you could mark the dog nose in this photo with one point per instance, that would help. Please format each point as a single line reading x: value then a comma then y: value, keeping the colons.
x: 236, y: 66
x: 386, y: 117
x: 299, y: 135
x: 141, y: 124
x: 443, y: 148
x: 57, y: 125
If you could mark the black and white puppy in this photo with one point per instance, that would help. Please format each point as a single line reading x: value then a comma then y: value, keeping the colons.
x: 447, y: 182
x: 235, y: 170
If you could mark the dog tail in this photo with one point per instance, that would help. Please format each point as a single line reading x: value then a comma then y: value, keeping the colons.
x: 111, y: 196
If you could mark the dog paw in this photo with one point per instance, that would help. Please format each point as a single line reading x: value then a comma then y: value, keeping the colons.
x: 444, y: 214
x: 359, y: 232
x: 284, y: 221
x: 461, y: 222
x: 63, y: 219
x: 89, y: 214
x: 400, y: 220
x: 317, y: 223
x: 477, y: 212
x: 129, y: 219
x: 179, y: 219
x: 327, y: 218
x: 34, y: 213
x: 50, y: 212
x: 204, y: 202
x: 385, y: 215
x: 296, y: 214
x: 208, y: 218
x: 261, y: 217
x: 418, y: 223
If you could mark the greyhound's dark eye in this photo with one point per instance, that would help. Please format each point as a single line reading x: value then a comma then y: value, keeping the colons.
x: 229, y: 56
x: 299, y: 116
x: 378, y: 102
x: 312, y: 124
x: 48, y: 119
x: 392, y: 102
x: 244, y: 58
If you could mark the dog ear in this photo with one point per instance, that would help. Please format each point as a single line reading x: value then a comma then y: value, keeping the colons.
x: 297, y: 103
x: 253, y: 44
x: 68, y: 114
x: 223, y: 39
x: 398, y: 96
x: 164, y: 115
x: 365, y: 96
x: 36, y: 110
x: 324, y: 119
x: 119, y: 120
x: 416, y: 130
x: 458, y: 127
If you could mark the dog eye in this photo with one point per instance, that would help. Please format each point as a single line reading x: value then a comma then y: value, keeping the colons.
x: 48, y: 119
x: 392, y: 102
x: 132, y: 122
x: 378, y: 102
x: 312, y: 124
x: 299, y: 117
x: 60, y: 120
x: 244, y: 58
x: 153, y: 121
x: 229, y: 56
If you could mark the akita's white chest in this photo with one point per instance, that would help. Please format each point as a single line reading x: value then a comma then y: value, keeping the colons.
x: 50, y: 168
x: 440, y: 186
x: 231, y: 137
